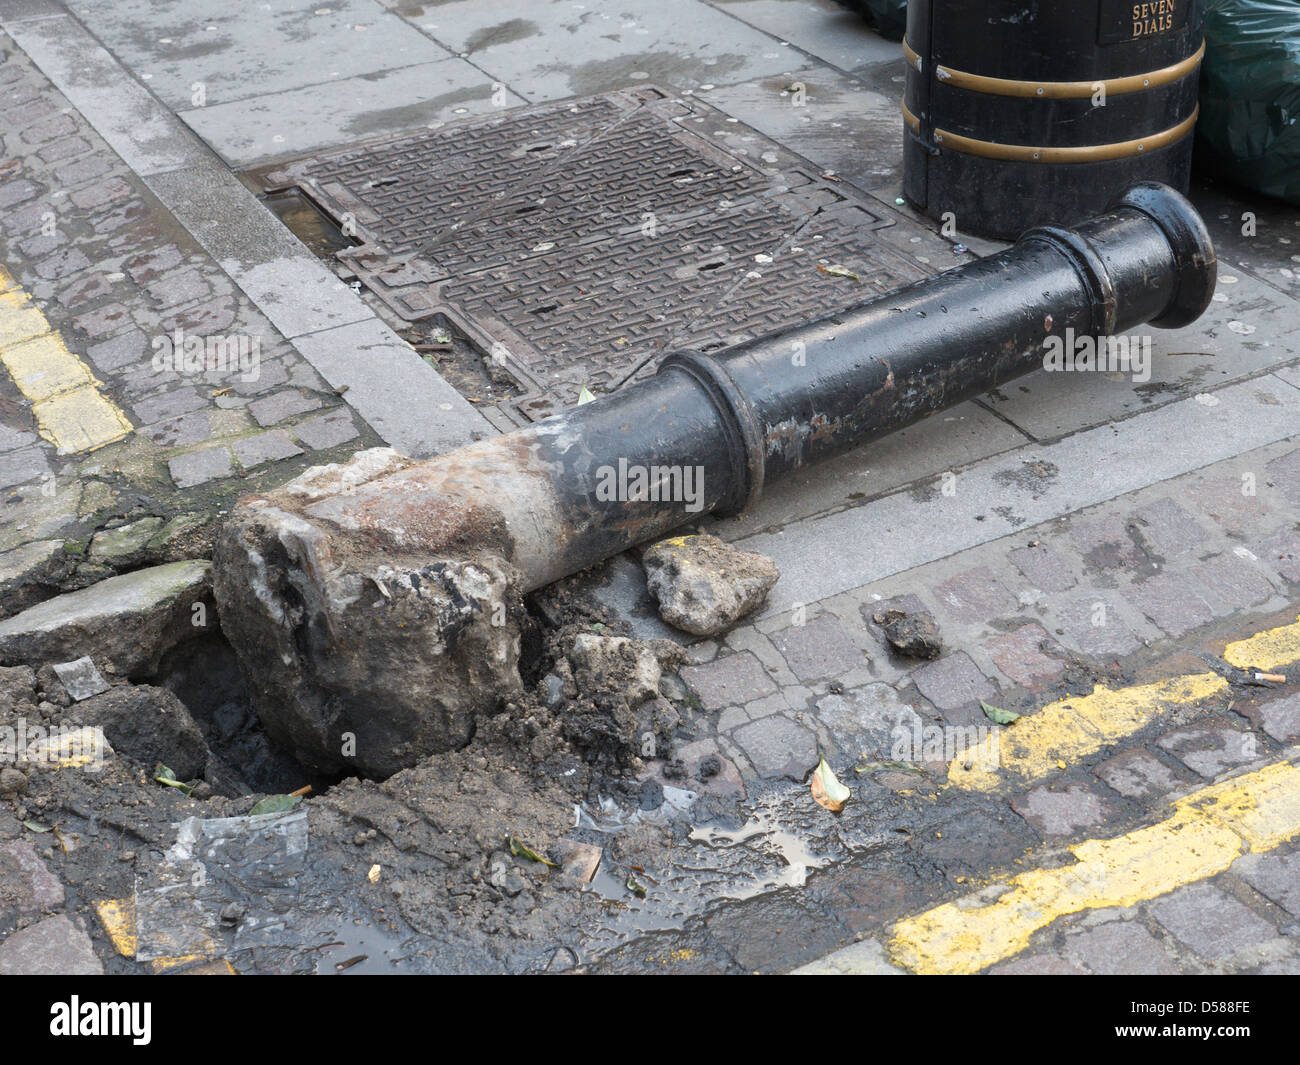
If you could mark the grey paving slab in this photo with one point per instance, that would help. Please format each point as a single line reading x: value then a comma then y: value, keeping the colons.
x: 831, y: 119
x: 297, y: 121
x: 847, y: 549
x: 1253, y: 327
x: 405, y: 401
x: 333, y: 329
x: 145, y: 134
x: 239, y: 50
x: 1290, y: 374
x: 292, y: 288
x: 16, y: 10
x: 551, y: 51
x: 822, y: 28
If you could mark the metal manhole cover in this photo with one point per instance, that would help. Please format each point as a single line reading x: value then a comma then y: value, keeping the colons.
x: 576, y: 243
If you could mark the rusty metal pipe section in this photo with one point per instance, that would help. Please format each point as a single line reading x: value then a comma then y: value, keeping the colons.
x: 366, y: 602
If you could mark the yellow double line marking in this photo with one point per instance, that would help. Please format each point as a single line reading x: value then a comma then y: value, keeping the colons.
x: 1062, y: 732
x: 1207, y: 832
x: 69, y: 408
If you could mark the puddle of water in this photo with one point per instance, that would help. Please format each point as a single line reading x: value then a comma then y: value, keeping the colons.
x: 322, y: 237
x: 364, y: 948
x: 763, y: 829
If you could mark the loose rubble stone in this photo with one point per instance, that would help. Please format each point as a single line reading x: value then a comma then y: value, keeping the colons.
x: 125, y: 546
x: 705, y: 586
x: 12, y: 781
x: 26, y: 883
x: 52, y: 947
x: 125, y: 623
x: 631, y: 663
x: 912, y: 634
x: 150, y: 725
x: 32, y: 573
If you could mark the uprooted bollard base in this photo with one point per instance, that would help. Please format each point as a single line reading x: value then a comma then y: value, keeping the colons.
x: 367, y: 659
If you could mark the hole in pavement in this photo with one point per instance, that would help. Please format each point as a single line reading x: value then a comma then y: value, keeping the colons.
x: 204, y: 674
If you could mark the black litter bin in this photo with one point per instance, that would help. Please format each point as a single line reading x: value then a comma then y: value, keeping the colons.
x: 1018, y: 113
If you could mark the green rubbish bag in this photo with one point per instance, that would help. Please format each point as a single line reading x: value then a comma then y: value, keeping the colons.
x: 1249, y: 127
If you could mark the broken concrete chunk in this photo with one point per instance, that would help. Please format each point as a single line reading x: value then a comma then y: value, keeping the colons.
x: 615, y: 662
x: 55, y: 946
x: 125, y: 623
x: 911, y: 633
x: 125, y: 546
x: 320, y: 482
x: 705, y: 586
x: 80, y: 678
x: 26, y: 883
x: 150, y: 725
x: 32, y: 573
x: 449, y: 654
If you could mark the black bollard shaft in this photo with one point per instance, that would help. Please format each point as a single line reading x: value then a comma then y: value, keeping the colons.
x: 370, y: 603
x: 725, y: 424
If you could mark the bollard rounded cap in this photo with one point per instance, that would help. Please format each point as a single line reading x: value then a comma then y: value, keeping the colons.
x: 1195, y: 264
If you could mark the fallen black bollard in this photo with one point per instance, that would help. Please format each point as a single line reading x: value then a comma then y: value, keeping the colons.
x: 373, y: 605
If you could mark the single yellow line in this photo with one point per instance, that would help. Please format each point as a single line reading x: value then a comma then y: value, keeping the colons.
x: 118, y: 918
x: 19, y: 319
x: 1267, y: 651
x: 1206, y: 833
x: 69, y: 408
x: 1037, y: 744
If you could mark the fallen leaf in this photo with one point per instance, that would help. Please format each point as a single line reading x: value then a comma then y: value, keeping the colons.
x: 838, y: 271
x: 522, y: 850
x: 999, y: 716
x: 826, y: 788
x: 635, y: 886
x: 275, y: 804
x: 584, y: 396
x: 165, y: 776
x: 36, y: 826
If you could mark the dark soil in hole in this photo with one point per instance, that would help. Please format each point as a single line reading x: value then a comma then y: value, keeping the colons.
x: 204, y: 675
x: 456, y: 358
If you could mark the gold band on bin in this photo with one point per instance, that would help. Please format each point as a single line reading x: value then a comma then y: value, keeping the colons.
x: 1060, y: 90
x: 1027, y: 153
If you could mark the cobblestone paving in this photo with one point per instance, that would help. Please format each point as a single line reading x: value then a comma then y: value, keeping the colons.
x: 218, y: 402
x: 1028, y: 621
